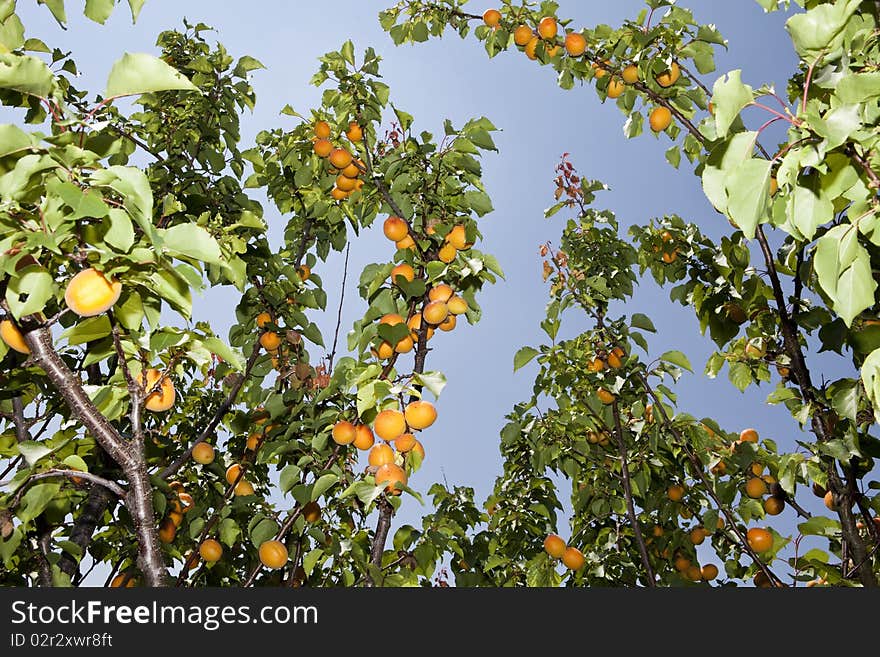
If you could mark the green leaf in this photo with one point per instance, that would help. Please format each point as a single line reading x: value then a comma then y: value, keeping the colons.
x: 871, y: 380
x: 479, y: 202
x: 723, y: 159
x: 99, y: 10
x: 820, y: 526
x: 192, y: 241
x: 138, y: 73
x: 523, y: 357
x: 135, y: 7
x: 843, y: 268
x: 230, y: 356
x: 323, y: 484
x: 57, y: 9
x: 677, y: 358
x: 134, y: 187
x: 88, y: 330
x: 838, y: 124
x: 748, y: 194
x: 13, y: 139
x: 11, y: 33
x: 808, y: 208
x: 640, y: 321
x: 821, y: 29
x: 36, y: 499
x: 729, y: 96
x: 433, y: 381
x: 32, y: 451
x: 75, y: 462
x: 27, y: 74
x: 34, y: 283
x: 119, y: 231
x: 229, y: 531
x: 290, y: 477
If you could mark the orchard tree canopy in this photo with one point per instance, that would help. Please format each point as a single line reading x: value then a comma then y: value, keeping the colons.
x: 136, y: 439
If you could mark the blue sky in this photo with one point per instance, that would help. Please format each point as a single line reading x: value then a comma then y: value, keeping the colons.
x: 538, y: 122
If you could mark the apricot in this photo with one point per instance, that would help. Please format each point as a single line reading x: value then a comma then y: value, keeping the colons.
x: 167, y: 530
x: 273, y: 554
x: 210, y: 550
x: 405, y: 442
x: 312, y: 512
x: 244, y: 488
x: 162, y: 399
x: 457, y: 305
x: 630, y: 74
x: 203, y: 453
x: 660, y: 119
x: 435, y: 312
x: 681, y: 563
x: 760, y: 540
x: 548, y: 28
x: 389, y: 424
x: 446, y: 253
x: 448, y: 324
x: 829, y: 501
x: 385, y: 351
x: 698, y: 535
x: 12, y: 337
x: 554, y: 546
x: 123, y: 580
x: 440, y: 292
x: 575, y: 44
x: 322, y: 147
x: 415, y: 323
x: 605, y: 396
x: 675, y: 492
x: 670, y: 76
x: 322, y: 130
x: 89, y: 293
x: 393, y: 476
x: 345, y: 183
x: 709, y: 572
x: 492, y: 17
x: 522, y: 35
x: 354, y: 132
x: 380, y: 455
x: 457, y: 237
x: 573, y: 559
x: 405, y: 345
x: 615, y: 88
x: 391, y: 319
x: 693, y: 573
x: 232, y: 473
x: 270, y: 341
x: 338, y: 194
x: 420, y: 414
x: 531, y: 48
x: 773, y: 505
x: 364, y: 438
x: 756, y: 487
x: 339, y: 158
x: 669, y: 257
x: 404, y: 270
x: 344, y: 432
x: 419, y: 449
x: 263, y: 318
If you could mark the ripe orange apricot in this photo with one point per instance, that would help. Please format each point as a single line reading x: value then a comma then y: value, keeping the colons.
x: 345, y: 183
x: 364, y: 438
x: 829, y: 501
x: 660, y: 119
x: 457, y: 305
x: 338, y: 194
x: 162, y: 399
x: 670, y: 76
x: 756, y: 487
x: 211, y: 550
x: 385, y: 351
x: 440, y: 292
x: 435, y: 312
x: 492, y: 17
x: 244, y: 488
x: 322, y: 147
x: 273, y: 554
x: 380, y: 455
x: 124, y: 580
x: 630, y: 74
x: 391, y: 319
x: 176, y: 518
x: 548, y: 28
x: 748, y: 436
x: 615, y: 88
x: 405, y: 345
x: 232, y: 473
x: 12, y: 337
x: 657, y: 531
x: 419, y: 449
x: 322, y: 130
x: 605, y: 396
x: 389, y: 424
x: 522, y: 35
x: 203, y: 453
x: 404, y: 270
x: 405, y: 442
x: 698, y: 535
x: 709, y: 572
x: 760, y: 540
x: 693, y: 573
x: 681, y: 563
x: 774, y: 186
x: 575, y: 44
x: 614, y: 361
x: 340, y: 158
x: 270, y: 341
x: 167, y: 530
x: 573, y: 558
x: 446, y: 253
x: 263, y: 318
x: 89, y: 293
x: 344, y: 432
x: 773, y: 505
x: 354, y: 132
x: 420, y: 414
x: 415, y: 323
x: 531, y: 48
x: 393, y: 476
x: 554, y: 546
x: 457, y: 237
x: 406, y: 243
x: 675, y: 492
x: 448, y: 324
x: 669, y: 257
x: 186, y: 500
x: 352, y: 171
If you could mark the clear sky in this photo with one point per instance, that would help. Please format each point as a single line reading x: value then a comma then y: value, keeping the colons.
x: 538, y: 122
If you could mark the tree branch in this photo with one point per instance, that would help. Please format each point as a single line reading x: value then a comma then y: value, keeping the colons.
x: 627, y: 490
x: 339, y: 313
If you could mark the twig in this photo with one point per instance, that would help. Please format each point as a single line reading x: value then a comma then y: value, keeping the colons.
x: 339, y: 313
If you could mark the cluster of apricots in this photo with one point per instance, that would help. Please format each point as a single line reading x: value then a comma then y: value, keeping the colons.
x: 571, y: 557
x: 606, y: 359
x: 575, y: 45
x: 391, y: 426
x: 666, y: 247
x: 181, y: 502
x: 342, y: 163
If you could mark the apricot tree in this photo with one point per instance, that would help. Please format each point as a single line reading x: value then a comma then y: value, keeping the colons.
x: 636, y: 465
x: 166, y: 453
